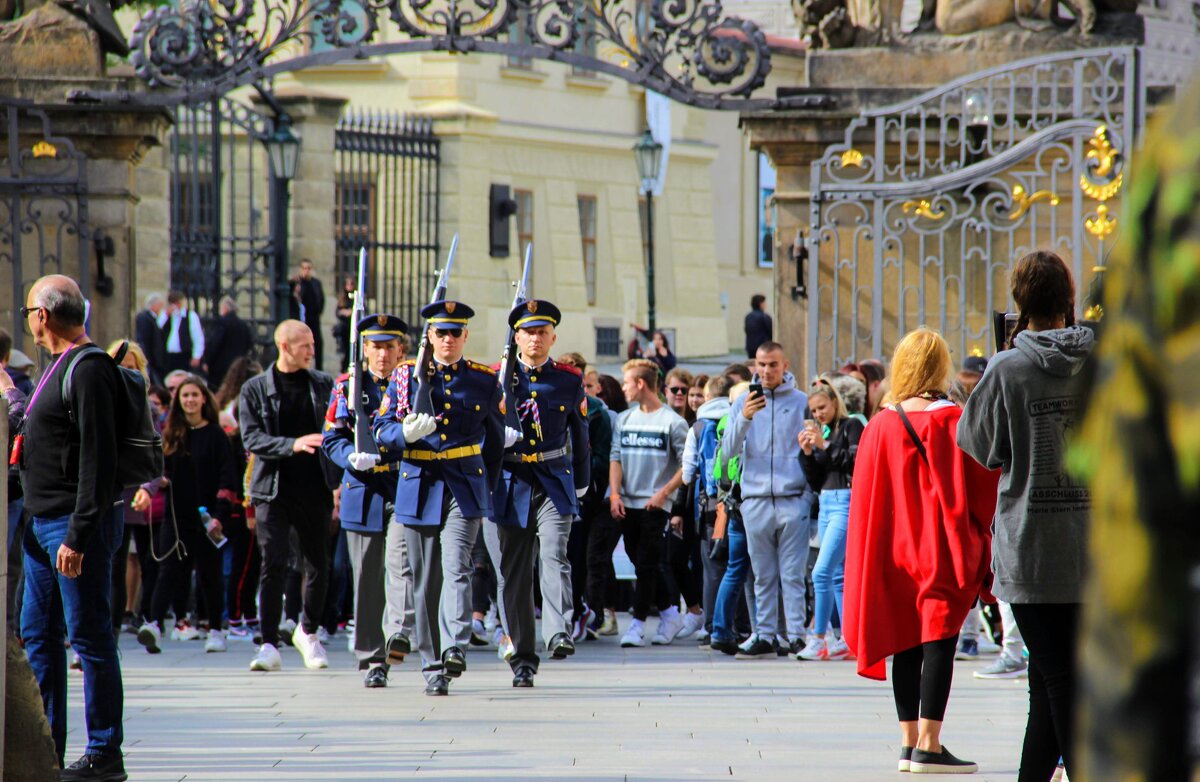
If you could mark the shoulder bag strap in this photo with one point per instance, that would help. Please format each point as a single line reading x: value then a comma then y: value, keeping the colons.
x: 913, y: 434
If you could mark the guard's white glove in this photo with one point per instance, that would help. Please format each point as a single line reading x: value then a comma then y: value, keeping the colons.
x: 417, y: 425
x: 580, y: 492
x: 510, y: 436
x: 363, y: 462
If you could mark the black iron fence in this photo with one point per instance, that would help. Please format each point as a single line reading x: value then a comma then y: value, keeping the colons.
x: 388, y: 195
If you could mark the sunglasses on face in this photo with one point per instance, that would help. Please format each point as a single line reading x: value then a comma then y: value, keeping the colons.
x: 451, y: 333
x: 676, y: 390
x: 27, y: 311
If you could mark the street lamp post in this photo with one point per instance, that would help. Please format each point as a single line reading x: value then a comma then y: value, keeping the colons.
x: 647, y: 153
x: 283, y: 149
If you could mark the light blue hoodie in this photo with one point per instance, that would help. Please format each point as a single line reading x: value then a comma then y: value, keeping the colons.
x: 768, y: 444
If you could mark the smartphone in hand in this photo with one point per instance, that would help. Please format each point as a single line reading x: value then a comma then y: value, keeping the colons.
x: 756, y: 388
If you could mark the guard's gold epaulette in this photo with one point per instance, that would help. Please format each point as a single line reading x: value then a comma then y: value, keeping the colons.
x: 481, y: 367
x: 565, y: 367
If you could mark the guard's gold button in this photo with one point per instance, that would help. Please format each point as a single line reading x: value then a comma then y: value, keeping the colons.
x: 481, y: 471
x: 383, y: 449
x: 447, y: 405
x: 476, y: 408
x: 568, y: 472
x: 561, y: 408
x: 533, y: 394
x: 443, y: 437
x: 404, y: 474
x: 532, y: 441
x: 533, y: 378
x: 447, y: 377
x: 445, y: 422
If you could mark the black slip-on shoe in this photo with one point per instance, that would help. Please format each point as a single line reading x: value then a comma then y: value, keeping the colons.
x: 94, y: 767
x: 905, y: 759
x: 454, y: 662
x: 523, y: 678
x: 376, y: 677
x: 439, y: 686
x: 398, y: 646
x: 561, y: 646
x: 939, y: 763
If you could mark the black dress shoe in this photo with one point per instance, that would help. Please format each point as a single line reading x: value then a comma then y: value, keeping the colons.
x: 561, y: 646
x: 523, y: 678
x: 95, y: 768
x: 397, y: 647
x: 376, y: 677
x: 439, y: 686
x: 454, y: 662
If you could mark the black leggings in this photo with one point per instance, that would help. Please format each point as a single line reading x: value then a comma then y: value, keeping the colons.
x: 604, y: 533
x: 643, y: 531
x: 176, y: 571
x: 1051, y: 633
x: 921, y: 679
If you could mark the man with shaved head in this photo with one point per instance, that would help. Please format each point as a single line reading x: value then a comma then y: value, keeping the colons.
x: 282, y: 412
x: 67, y: 452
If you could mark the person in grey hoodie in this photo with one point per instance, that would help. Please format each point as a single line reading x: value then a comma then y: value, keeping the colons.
x: 776, y: 499
x: 1018, y: 420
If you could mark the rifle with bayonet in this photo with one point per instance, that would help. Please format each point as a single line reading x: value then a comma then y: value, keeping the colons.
x: 364, y: 441
x: 424, y: 368
x: 508, y: 362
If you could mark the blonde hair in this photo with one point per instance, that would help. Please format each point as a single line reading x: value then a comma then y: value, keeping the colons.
x: 135, y: 350
x: 643, y: 369
x: 824, y: 387
x: 737, y: 390
x: 920, y: 364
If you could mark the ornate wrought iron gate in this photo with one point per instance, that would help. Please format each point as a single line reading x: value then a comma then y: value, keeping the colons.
x: 388, y: 195
x: 43, y: 208
x: 919, y: 213
x: 220, y: 211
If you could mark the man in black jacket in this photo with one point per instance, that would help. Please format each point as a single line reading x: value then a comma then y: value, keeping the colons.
x: 150, y: 336
x: 308, y: 304
x: 68, y: 458
x: 228, y: 339
x: 758, y: 326
x: 282, y: 413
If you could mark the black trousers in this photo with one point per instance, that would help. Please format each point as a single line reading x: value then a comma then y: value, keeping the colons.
x: 1051, y: 633
x: 241, y: 590
x: 602, y: 535
x: 276, y: 520
x: 681, y: 564
x: 176, y: 569
x: 921, y: 678
x: 483, y: 578
x: 577, y: 555
x: 643, y: 531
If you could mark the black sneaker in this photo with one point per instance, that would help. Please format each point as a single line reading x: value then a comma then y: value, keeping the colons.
x: 939, y: 763
x: 724, y: 645
x: 905, y: 763
x: 95, y: 768
x: 705, y: 642
x: 761, y: 649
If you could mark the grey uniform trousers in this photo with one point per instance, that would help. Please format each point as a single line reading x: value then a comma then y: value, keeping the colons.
x: 441, y: 566
x: 777, y: 540
x: 515, y: 551
x: 383, y: 596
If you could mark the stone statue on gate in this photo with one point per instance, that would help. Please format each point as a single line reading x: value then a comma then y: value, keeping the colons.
x: 98, y: 14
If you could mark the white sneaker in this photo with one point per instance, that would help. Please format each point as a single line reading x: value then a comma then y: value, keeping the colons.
x: 491, y: 620
x: 267, y: 659
x: 987, y: 645
x: 692, y: 624
x: 150, y: 636
x: 668, y: 627
x: 184, y: 631
x: 215, y: 642
x: 815, y: 650
x: 497, y: 636
x: 286, y: 628
x: 634, y: 636
x: 323, y: 635
x: 350, y: 641
x: 310, y: 649
x: 745, y: 645
x: 838, y: 650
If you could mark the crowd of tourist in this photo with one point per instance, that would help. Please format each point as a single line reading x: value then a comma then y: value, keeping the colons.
x: 881, y: 510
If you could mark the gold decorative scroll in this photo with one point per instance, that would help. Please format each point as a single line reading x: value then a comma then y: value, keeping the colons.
x: 852, y: 157
x: 922, y: 208
x: 44, y: 149
x: 1022, y: 201
x: 1101, y: 180
x: 1102, y: 225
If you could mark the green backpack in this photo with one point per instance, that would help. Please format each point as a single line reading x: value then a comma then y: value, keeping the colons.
x: 726, y: 471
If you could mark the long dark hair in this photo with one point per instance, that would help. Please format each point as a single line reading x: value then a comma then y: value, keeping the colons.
x: 611, y: 394
x: 1043, y: 288
x: 175, y: 430
x: 238, y: 373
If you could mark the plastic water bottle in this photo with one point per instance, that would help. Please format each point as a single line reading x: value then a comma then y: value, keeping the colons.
x: 211, y: 529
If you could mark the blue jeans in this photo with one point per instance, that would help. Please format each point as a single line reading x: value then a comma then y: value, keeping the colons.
x: 725, y: 610
x: 84, y: 603
x: 830, y: 571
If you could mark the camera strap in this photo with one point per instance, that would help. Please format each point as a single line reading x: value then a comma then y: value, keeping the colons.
x: 913, y: 434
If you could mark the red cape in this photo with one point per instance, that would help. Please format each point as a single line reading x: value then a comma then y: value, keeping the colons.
x: 919, y: 545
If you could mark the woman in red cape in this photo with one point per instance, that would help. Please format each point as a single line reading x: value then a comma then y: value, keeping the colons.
x: 918, y: 549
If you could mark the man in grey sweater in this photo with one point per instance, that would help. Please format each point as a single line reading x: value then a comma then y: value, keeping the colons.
x: 776, y: 499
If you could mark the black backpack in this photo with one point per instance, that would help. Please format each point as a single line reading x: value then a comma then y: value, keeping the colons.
x: 139, y: 446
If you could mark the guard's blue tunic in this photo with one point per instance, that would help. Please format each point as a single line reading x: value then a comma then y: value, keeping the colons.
x: 363, y: 493
x: 462, y: 454
x: 553, y: 450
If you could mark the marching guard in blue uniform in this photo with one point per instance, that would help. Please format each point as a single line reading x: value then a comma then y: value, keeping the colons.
x: 383, y: 582
x: 449, y: 463
x: 546, y: 471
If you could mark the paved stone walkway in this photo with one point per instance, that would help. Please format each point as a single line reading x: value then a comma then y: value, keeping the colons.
x: 671, y: 713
